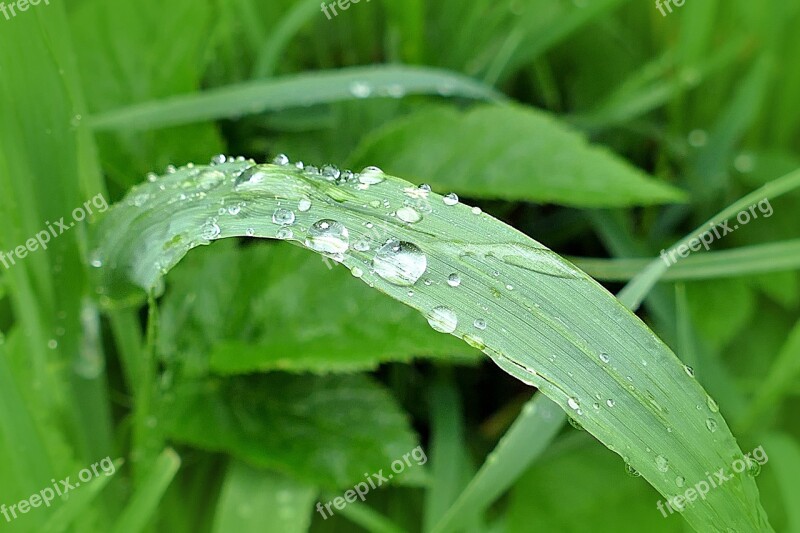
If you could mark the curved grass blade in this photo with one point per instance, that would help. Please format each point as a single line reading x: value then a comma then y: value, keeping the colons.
x: 293, y: 91
x: 537, y: 316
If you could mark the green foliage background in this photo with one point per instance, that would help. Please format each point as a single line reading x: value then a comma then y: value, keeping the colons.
x: 264, y: 382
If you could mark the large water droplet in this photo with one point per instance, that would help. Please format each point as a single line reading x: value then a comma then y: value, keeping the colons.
x: 328, y: 236
x: 442, y: 319
x: 400, y: 263
x: 371, y: 176
x: 283, y: 217
x: 408, y: 214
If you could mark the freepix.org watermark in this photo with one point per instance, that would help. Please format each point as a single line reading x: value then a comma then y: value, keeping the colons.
x: 56, y: 229
x: 717, y: 231
x: 344, y: 5
x: 665, y: 6
x: 11, y: 9
x: 59, y: 488
x: 751, y: 460
x: 360, y: 490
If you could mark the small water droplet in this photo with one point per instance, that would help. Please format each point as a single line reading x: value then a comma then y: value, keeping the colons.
x: 281, y: 159
x: 356, y: 272
x: 479, y: 323
x: 330, y: 172
x: 361, y: 245
x: 328, y: 236
x: 218, y: 159
x: 573, y: 404
x: 712, y: 405
x: 476, y: 210
x: 442, y: 319
x: 680, y: 481
x: 610, y: 402
x: 662, y: 463
x: 450, y: 199
x: 409, y: 215
x: 604, y: 357
x: 283, y: 217
x: 210, y: 230
x: 454, y: 280
x: 360, y: 89
x: 711, y: 424
x: 304, y: 205
x: 631, y: 471
x: 689, y: 371
x: 284, y: 234
x: 250, y: 232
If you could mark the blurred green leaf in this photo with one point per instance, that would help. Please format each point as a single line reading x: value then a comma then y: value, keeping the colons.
x: 509, y: 153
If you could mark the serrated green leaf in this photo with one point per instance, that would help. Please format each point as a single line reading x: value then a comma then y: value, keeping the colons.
x: 227, y: 312
x: 326, y: 431
x: 547, y: 324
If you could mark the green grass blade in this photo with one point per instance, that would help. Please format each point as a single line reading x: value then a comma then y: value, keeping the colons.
x: 744, y: 261
x: 275, y: 45
x: 641, y: 285
x: 367, y: 517
x: 144, y: 503
x: 292, y: 91
x: 531, y: 433
x: 537, y: 316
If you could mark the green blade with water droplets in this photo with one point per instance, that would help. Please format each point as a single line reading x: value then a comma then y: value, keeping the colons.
x: 536, y: 315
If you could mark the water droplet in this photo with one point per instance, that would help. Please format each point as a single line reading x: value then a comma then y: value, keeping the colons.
x: 479, y: 323
x: 711, y: 424
x: 631, y: 471
x: 442, y: 319
x: 304, y: 205
x: 454, y: 280
x: 361, y: 245
x: 283, y: 217
x: 371, y: 176
x: 330, y: 172
x: 680, y: 481
x: 424, y: 187
x: 610, y: 402
x: 234, y: 209
x: 171, y: 169
x: 474, y: 341
x: 209, y: 178
x: 712, y: 405
x: 250, y: 232
x: 328, y: 236
x: 476, y: 210
x: 409, y: 215
x: 250, y: 177
x: 662, y: 463
x: 209, y: 231
x: 284, y: 234
x: 356, y: 272
x: 218, y: 159
x: 509, y: 287
x: 281, y: 159
x: 574, y: 423
x: 689, y: 371
x: 360, y: 89
x: 573, y: 404
x: 400, y: 263
x: 450, y: 199
x: 604, y: 357
x: 152, y: 176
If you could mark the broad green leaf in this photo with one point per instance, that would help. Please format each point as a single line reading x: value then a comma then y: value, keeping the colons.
x: 326, y: 431
x: 510, y: 153
x: 227, y: 311
x: 537, y: 316
x: 258, y: 501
